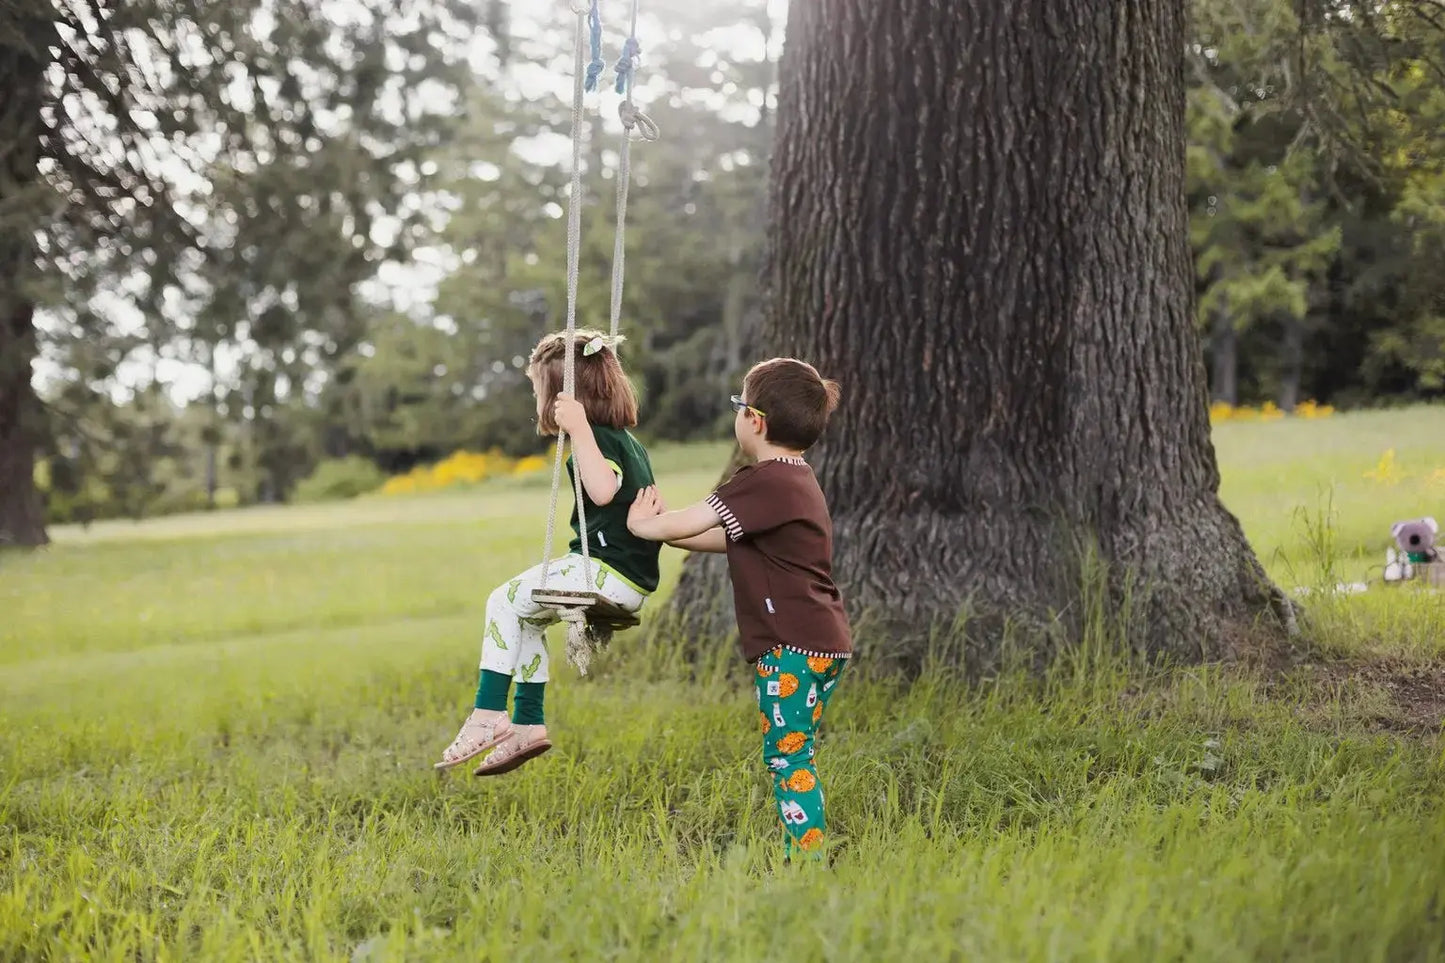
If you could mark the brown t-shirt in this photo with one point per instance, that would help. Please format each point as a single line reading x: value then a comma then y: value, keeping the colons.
x: 780, y: 556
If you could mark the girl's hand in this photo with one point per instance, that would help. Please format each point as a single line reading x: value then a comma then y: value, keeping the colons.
x: 569, y: 414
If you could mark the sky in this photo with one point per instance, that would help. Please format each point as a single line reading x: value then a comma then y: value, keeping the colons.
x: 410, y: 287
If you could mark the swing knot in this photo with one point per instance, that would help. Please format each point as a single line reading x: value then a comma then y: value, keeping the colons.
x: 635, y: 121
x: 627, y: 64
x: 597, y: 65
x: 583, y: 639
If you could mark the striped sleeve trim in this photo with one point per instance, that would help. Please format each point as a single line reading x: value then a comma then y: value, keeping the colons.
x: 729, y: 520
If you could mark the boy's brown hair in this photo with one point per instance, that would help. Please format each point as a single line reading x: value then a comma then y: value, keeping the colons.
x: 603, y: 387
x: 795, y: 400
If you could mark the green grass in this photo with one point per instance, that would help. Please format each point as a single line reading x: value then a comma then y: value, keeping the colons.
x: 218, y: 733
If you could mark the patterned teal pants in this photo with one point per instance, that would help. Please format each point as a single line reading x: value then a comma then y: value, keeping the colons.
x: 793, y: 690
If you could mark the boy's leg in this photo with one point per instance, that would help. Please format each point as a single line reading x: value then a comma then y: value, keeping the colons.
x: 793, y: 690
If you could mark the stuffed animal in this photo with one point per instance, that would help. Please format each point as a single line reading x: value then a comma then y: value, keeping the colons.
x: 1416, y: 542
x: 1397, y: 567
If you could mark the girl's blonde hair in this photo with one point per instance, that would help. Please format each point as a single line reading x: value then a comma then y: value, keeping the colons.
x: 603, y: 387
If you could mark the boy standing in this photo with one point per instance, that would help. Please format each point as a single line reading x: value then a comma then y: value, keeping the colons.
x: 772, y: 521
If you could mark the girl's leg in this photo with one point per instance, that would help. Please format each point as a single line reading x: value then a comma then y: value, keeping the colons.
x: 793, y: 689
x: 513, y: 642
x: 527, y: 736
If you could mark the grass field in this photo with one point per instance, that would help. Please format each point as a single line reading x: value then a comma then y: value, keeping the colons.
x: 218, y: 734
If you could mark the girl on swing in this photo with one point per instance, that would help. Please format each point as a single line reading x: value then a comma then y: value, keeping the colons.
x: 614, y: 468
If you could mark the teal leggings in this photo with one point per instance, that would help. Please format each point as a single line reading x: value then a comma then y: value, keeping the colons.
x: 793, y: 690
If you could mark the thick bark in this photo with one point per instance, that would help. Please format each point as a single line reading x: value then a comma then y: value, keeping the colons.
x: 1294, y: 360
x: 22, y: 78
x: 1224, y: 351
x: 979, y: 228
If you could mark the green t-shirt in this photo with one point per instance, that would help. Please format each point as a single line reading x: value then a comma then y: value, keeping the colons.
x: 608, y: 539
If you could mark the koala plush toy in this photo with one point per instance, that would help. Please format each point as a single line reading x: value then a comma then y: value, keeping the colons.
x: 1416, y: 541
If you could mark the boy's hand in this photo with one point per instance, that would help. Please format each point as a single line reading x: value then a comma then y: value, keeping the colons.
x: 647, y: 504
x: 569, y: 414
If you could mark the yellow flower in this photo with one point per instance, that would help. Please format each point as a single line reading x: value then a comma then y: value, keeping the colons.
x: 530, y: 465
x: 1311, y: 409
x: 1386, y: 472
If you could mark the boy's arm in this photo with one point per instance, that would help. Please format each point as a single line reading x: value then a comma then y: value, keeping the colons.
x: 647, y: 519
x: 712, y: 540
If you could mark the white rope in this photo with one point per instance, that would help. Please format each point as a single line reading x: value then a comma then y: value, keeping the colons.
x: 580, y: 641
x: 569, y: 363
x: 632, y: 119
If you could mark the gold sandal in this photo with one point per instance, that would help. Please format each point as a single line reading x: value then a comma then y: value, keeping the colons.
x: 475, y: 738
x: 518, y: 746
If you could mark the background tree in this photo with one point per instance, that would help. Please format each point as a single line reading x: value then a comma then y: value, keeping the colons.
x: 1023, y: 385
x: 224, y: 170
x: 325, y: 268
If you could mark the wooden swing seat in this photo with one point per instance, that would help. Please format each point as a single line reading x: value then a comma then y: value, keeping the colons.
x: 599, y: 610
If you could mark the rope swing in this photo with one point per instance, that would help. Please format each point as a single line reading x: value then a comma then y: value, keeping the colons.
x: 591, y: 618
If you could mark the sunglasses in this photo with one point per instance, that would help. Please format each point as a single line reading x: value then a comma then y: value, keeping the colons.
x: 740, y: 405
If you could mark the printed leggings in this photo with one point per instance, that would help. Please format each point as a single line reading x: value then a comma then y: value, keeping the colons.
x: 514, y: 642
x: 793, y: 690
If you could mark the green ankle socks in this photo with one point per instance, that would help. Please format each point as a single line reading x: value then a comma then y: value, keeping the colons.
x: 492, y: 691
x: 527, y: 711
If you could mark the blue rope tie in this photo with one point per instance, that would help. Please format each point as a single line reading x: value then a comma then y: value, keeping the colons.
x: 627, y: 63
x: 595, y: 68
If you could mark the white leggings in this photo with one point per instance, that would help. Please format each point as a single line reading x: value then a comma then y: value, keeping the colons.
x: 515, y: 641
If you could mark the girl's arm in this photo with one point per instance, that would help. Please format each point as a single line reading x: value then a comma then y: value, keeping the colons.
x: 712, y: 540
x: 599, y: 478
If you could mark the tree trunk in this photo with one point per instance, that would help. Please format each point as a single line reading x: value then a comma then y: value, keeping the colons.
x: 212, y: 475
x: 1224, y: 352
x: 23, y: 61
x: 979, y: 228
x: 1294, y: 361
